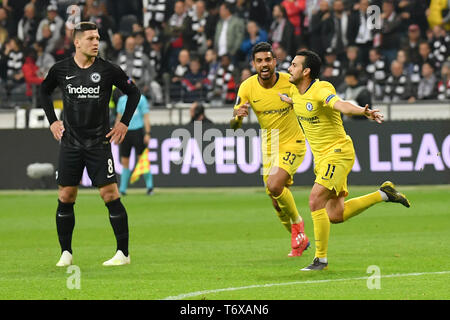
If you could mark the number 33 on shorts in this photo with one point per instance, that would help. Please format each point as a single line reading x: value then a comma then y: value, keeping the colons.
x: 290, y: 157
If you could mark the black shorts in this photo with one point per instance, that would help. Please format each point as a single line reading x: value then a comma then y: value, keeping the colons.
x: 133, y: 138
x: 98, y: 161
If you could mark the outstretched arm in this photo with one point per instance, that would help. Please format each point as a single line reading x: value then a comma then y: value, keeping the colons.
x: 350, y: 109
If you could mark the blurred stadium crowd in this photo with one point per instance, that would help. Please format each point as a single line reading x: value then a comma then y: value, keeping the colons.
x: 187, y: 51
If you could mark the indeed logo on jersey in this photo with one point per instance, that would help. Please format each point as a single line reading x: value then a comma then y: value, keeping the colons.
x: 84, y: 92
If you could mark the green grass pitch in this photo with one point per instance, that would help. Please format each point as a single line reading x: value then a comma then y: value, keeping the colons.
x: 192, y: 243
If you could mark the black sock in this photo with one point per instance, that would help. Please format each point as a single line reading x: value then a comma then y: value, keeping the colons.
x: 119, y: 222
x: 65, y: 222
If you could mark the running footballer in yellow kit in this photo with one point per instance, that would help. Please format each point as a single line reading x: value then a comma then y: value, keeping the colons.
x: 318, y: 109
x: 282, y: 140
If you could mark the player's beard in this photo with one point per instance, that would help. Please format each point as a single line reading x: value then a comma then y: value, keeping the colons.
x: 269, y: 76
x: 294, y: 80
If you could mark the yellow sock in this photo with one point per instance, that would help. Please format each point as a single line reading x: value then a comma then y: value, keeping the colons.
x: 287, y: 205
x: 355, y: 206
x: 321, y: 231
x: 285, y: 220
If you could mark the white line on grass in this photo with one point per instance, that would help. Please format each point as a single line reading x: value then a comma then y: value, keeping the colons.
x: 197, y: 293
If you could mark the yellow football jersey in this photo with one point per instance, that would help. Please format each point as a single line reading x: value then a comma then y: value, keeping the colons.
x: 274, y: 115
x: 322, y: 124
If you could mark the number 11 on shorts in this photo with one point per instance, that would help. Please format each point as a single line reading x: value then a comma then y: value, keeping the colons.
x: 332, y: 167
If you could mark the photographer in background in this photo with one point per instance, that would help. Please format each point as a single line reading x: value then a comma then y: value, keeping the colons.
x: 198, y: 113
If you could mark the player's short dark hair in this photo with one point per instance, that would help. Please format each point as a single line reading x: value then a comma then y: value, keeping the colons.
x: 261, y: 47
x: 82, y: 27
x: 312, y: 61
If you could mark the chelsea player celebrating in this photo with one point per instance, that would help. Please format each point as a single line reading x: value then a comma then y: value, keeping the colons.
x: 282, y: 142
x: 318, y: 109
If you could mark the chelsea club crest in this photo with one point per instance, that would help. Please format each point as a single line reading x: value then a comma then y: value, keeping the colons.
x: 309, y: 106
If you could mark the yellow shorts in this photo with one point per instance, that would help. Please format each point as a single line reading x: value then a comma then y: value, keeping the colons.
x: 332, y: 169
x: 288, y: 158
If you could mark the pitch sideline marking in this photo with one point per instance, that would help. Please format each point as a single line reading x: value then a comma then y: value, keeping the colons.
x: 197, y: 293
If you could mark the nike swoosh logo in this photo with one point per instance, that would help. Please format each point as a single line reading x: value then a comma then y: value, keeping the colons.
x: 70, y: 77
x: 110, y: 176
x: 255, y: 101
x: 63, y: 215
